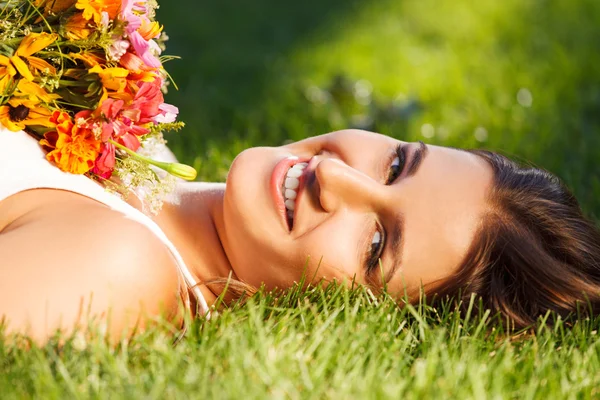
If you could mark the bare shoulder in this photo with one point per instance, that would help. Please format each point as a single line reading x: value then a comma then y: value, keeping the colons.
x: 71, y: 258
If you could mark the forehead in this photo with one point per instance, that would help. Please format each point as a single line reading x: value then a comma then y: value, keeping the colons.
x: 441, y: 207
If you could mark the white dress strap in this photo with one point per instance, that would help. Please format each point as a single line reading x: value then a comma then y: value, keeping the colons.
x: 23, y: 166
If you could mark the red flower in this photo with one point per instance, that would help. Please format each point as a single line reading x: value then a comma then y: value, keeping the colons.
x: 148, y: 99
x: 106, y: 162
x: 121, y: 123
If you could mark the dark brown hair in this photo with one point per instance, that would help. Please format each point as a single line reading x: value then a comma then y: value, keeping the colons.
x: 534, y: 251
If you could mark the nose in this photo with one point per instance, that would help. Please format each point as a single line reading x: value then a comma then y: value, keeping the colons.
x: 343, y: 186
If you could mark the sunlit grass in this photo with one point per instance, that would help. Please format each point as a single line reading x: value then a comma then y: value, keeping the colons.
x: 320, y: 343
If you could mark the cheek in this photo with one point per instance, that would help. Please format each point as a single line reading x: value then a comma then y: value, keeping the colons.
x: 328, y: 253
x: 333, y: 251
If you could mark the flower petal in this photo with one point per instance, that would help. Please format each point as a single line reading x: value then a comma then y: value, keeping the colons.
x: 142, y: 48
x: 35, y: 42
x: 40, y: 64
x: 10, y: 70
x: 21, y: 67
x: 34, y: 91
x: 4, y: 82
x: 130, y: 141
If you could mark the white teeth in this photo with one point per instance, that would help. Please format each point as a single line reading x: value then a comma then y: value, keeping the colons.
x: 290, y: 205
x: 294, y: 172
x: 291, y: 183
x: 290, y: 194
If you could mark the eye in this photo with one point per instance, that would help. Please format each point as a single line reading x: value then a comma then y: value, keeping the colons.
x: 375, y: 250
x: 396, y: 165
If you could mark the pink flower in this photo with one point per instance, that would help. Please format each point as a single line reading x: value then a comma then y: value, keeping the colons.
x: 134, y: 13
x: 143, y: 49
x: 129, y: 6
x: 168, y: 114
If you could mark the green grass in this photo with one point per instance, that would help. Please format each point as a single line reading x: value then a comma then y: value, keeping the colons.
x: 518, y: 76
x: 324, y: 343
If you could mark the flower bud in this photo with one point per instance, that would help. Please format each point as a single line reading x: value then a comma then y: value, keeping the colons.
x: 181, y: 171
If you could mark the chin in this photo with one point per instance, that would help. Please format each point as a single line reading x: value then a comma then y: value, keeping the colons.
x: 252, y: 226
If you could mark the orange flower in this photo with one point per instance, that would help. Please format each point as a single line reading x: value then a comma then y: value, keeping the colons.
x: 78, y: 27
x: 31, y: 44
x: 149, y: 30
x: 93, y: 9
x: 89, y: 59
x: 138, y: 71
x: 73, y: 147
x: 52, y: 7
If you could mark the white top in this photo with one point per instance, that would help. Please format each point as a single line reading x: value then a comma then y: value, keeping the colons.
x: 23, y: 166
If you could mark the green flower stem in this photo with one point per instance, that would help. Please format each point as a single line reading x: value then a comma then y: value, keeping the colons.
x: 176, y: 169
x: 73, y: 83
x: 11, y: 42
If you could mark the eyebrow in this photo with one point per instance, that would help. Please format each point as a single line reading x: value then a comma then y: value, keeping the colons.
x: 417, y: 159
x: 397, y: 238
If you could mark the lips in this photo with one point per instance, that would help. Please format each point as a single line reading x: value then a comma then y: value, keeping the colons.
x: 277, y: 182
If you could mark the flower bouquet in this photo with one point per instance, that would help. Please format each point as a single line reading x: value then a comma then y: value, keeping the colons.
x: 85, y: 77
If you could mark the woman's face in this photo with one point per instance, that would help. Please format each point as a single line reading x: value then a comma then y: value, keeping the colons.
x: 368, y: 208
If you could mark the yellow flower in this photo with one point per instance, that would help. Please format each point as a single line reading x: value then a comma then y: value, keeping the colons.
x: 113, y: 79
x: 22, y: 112
x: 4, y: 81
x: 7, y: 69
x: 34, y: 92
x: 73, y: 147
x: 31, y: 44
x: 7, y: 72
x: 92, y: 9
x: 24, y: 108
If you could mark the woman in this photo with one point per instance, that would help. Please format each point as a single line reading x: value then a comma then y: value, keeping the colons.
x: 351, y: 206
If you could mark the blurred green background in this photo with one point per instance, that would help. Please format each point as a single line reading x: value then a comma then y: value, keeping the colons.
x: 521, y: 77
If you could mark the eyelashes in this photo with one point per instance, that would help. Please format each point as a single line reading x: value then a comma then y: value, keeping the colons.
x: 396, y: 164
x: 375, y: 249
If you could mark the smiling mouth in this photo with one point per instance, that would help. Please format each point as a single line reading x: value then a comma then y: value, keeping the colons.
x: 289, y: 190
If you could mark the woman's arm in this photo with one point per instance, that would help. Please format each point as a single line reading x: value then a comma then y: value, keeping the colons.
x: 73, y: 258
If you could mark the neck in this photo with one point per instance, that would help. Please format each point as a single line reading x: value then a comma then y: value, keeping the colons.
x: 191, y: 218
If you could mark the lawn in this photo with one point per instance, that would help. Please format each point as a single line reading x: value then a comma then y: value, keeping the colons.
x: 520, y: 77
